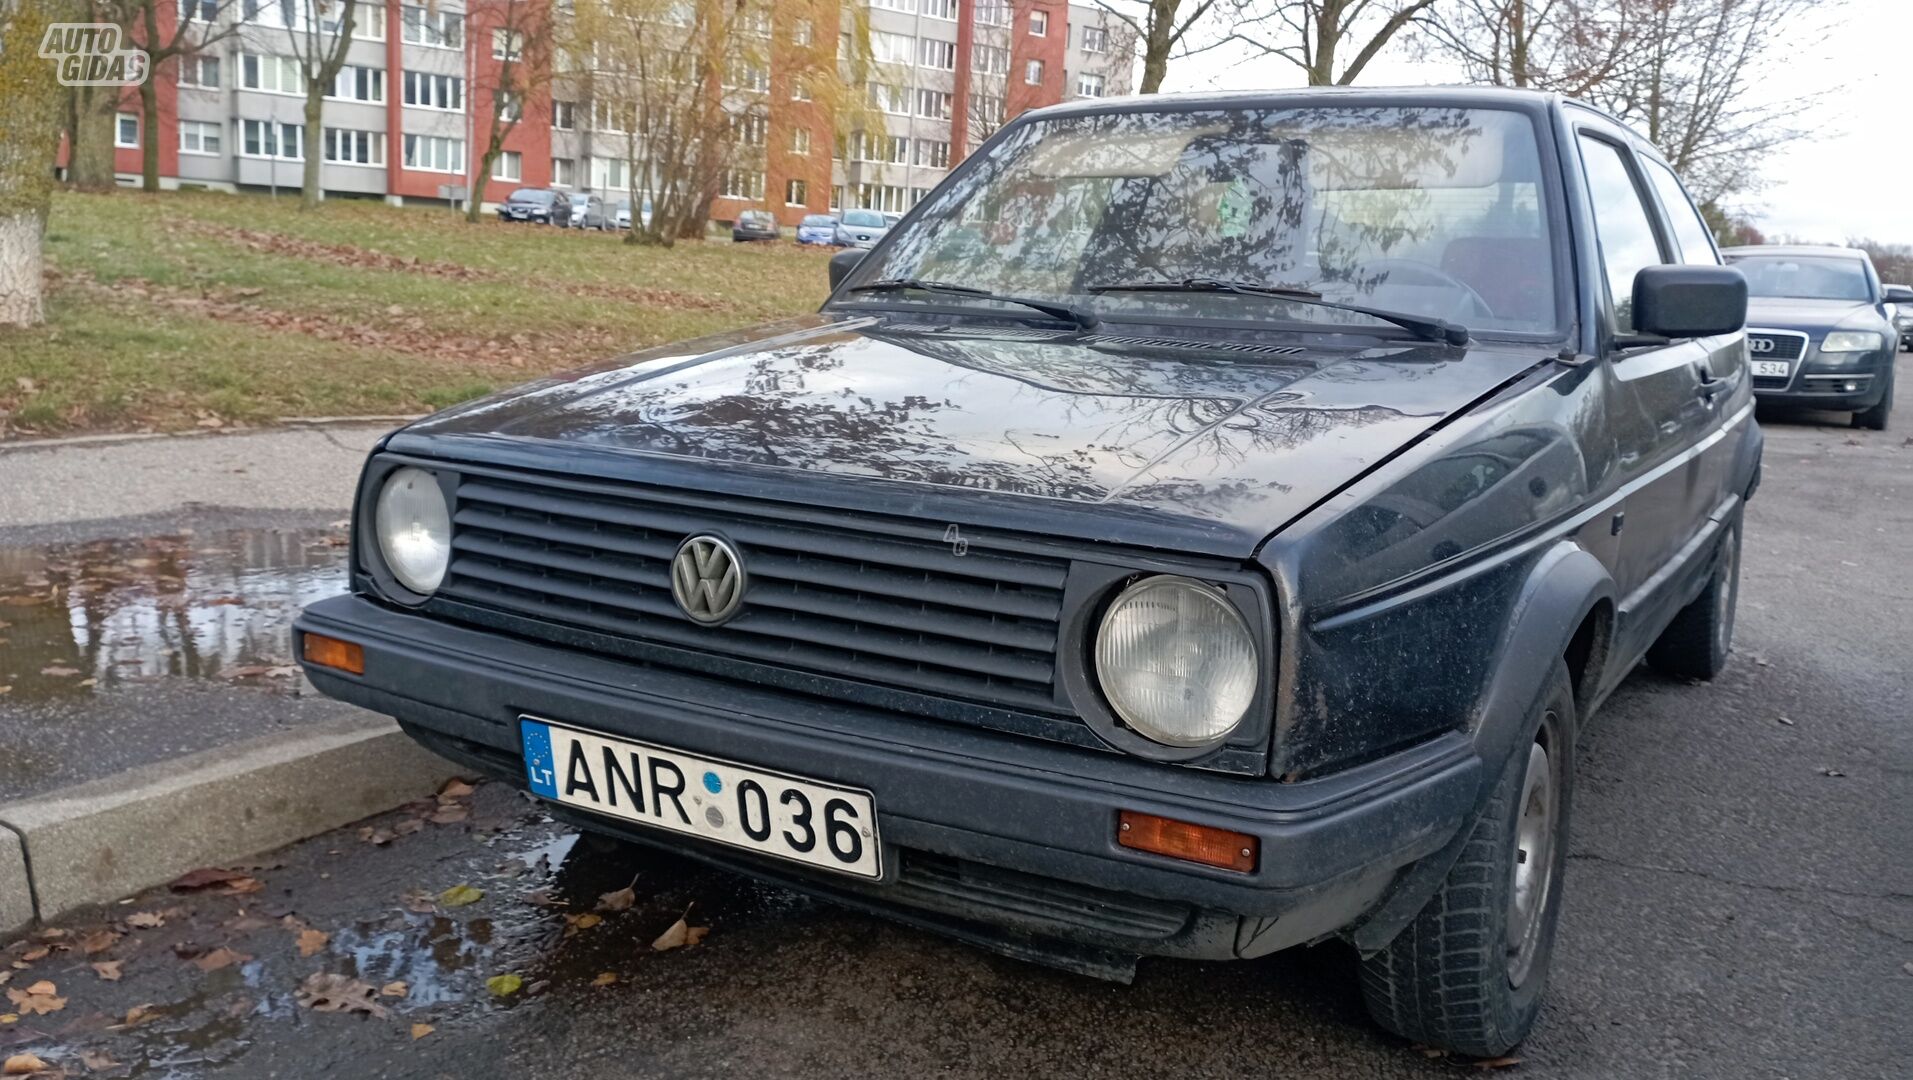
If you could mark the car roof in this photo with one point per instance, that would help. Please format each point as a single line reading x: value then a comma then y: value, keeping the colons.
x: 1825, y: 250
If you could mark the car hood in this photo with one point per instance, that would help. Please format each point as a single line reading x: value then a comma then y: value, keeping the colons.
x: 1793, y: 313
x: 1191, y: 447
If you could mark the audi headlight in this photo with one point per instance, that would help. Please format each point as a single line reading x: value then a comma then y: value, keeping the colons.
x: 1177, y: 661
x: 1850, y: 341
x: 414, y: 527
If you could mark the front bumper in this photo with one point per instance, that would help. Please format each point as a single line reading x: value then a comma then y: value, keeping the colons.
x: 992, y: 834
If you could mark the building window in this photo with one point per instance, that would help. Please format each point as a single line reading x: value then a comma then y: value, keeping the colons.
x: 1033, y: 73
x: 934, y: 104
x: 368, y: 19
x: 937, y: 9
x: 564, y: 115
x: 346, y: 147
x: 607, y: 174
x: 800, y: 141
x: 438, y: 29
x: 126, y: 132
x: 899, y: 5
x: 429, y: 91
x: 1095, y: 39
x: 800, y: 33
x: 507, y: 44
x: 509, y: 166
x: 750, y: 128
x: 271, y: 139
x: 199, y: 137
x: 357, y: 83
x: 891, y: 99
x: 799, y: 88
x: 509, y: 109
x: 940, y: 55
x: 891, y: 48
x: 272, y: 74
x: 1039, y: 24
x: 989, y: 111
x: 563, y: 171
x: 205, y: 11
x: 1089, y: 85
x: 837, y: 197
x: 200, y: 71
x: 992, y: 13
x: 796, y: 193
x: 740, y: 75
x: 990, y: 60
x: 742, y: 184
x: 918, y: 194
x: 887, y: 197
x: 606, y: 117
x: 897, y: 150
x: 435, y: 153
x: 934, y: 154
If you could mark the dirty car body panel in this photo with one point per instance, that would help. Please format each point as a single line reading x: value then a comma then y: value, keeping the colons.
x: 941, y: 500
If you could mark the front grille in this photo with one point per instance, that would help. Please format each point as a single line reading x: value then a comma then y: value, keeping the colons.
x: 840, y: 602
x: 1784, y: 346
x: 1042, y: 903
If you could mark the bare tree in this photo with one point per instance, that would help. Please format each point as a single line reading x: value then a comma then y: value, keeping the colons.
x: 1569, y: 46
x: 521, y: 45
x: 1894, y: 262
x: 320, y: 32
x: 1313, y: 34
x: 200, y: 25
x: 30, y: 103
x: 1163, y: 27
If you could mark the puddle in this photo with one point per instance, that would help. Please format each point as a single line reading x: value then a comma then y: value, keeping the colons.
x: 96, y: 617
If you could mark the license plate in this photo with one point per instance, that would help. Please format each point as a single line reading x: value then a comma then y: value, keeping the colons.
x: 741, y: 805
x: 1778, y: 368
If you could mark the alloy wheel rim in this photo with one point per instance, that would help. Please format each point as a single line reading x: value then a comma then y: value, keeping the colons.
x: 1532, y: 877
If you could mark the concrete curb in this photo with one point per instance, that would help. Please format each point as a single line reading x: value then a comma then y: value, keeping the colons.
x: 96, y: 842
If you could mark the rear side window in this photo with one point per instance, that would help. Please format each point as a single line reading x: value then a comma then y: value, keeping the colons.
x: 1621, y: 222
x: 1690, y: 232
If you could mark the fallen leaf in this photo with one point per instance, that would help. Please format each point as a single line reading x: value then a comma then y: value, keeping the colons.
x: 1498, y: 1063
x: 376, y: 837
x: 22, y: 1065
x: 59, y: 672
x: 394, y: 989
x: 504, y: 985
x: 311, y: 941
x: 585, y: 921
x: 605, y: 978
x: 460, y: 895
x: 37, y: 1000
x: 44, y: 987
x: 242, y: 887
x: 36, y: 954
x: 108, y: 970
x: 419, y: 902
x: 419, y: 1031
x: 146, y: 920
x: 98, y: 1060
x: 680, y: 935
x: 326, y: 992
x: 454, y: 789
x: 9, y: 1018
x: 221, y: 957
x: 98, y: 941
x: 621, y: 899
x: 139, y: 1014
x: 408, y: 827
x: 205, y: 878
x: 450, y: 815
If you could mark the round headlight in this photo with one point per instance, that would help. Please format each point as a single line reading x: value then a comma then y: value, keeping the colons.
x: 1177, y: 661
x: 414, y: 528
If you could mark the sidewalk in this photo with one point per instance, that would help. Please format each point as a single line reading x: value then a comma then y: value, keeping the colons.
x: 151, y: 717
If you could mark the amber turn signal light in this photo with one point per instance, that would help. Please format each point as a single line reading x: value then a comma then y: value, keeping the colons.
x: 333, y: 653
x: 1185, y: 840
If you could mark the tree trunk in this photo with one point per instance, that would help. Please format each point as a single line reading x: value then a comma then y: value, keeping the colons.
x: 479, y: 179
x: 310, y: 194
x: 89, y: 160
x: 31, y: 101
x: 148, y: 136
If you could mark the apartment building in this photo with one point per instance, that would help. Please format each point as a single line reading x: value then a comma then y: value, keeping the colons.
x: 407, y: 117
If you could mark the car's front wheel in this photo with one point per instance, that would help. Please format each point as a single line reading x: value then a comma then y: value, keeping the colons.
x: 1467, y: 974
x: 1874, y: 419
x: 1696, y: 643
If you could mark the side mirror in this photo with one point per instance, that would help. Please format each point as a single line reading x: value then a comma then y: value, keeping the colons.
x: 1898, y: 294
x: 842, y: 263
x: 1689, y: 301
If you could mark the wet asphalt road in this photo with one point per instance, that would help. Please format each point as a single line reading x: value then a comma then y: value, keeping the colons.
x: 1739, y: 903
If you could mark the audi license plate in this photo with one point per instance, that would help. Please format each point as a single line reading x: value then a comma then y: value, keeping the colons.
x: 769, y: 812
x: 1775, y: 368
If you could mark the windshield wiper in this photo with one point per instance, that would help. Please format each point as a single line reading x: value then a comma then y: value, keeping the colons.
x: 1085, y: 320
x: 1424, y: 326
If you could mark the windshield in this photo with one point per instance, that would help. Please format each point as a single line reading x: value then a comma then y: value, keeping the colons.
x: 865, y: 219
x: 530, y: 195
x: 1803, y: 277
x: 819, y: 219
x: 1431, y: 211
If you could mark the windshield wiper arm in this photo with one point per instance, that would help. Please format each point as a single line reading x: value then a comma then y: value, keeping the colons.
x: 1085, y: 320
x: 1424, y: 326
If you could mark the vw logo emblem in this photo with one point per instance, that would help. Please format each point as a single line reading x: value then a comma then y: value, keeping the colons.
x: 707, y: 579
x: 1760, y: 344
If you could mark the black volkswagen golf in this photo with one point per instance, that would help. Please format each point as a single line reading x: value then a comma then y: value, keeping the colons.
x: 1198, y: 529
x: 1820, y: 333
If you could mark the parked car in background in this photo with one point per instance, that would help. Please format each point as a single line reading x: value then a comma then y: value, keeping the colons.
x: 1903, y: 316
x: 861, y: 228
x: 817, y: 229
x: 1818, y: 331
x: 1146, y: 573
x: 589, y: 212
x: 891, y: 219
x: 536, y: 204
x: 622, y: 217
x: 755, y: 225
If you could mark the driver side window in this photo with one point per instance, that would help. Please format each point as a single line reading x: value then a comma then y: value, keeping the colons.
x: 1621, y: 222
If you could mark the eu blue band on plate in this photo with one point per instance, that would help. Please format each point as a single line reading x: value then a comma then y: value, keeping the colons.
x: 540, y: 769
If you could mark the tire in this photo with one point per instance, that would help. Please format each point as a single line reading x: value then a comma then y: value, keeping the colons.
x: 1695, y: 644
x: 1874, y: 419
x: 1451, y: 978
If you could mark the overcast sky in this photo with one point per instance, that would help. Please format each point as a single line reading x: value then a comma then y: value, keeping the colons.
x: 1853, y: 179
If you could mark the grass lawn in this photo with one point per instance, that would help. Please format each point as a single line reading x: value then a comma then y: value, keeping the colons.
x: 187, y: 309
